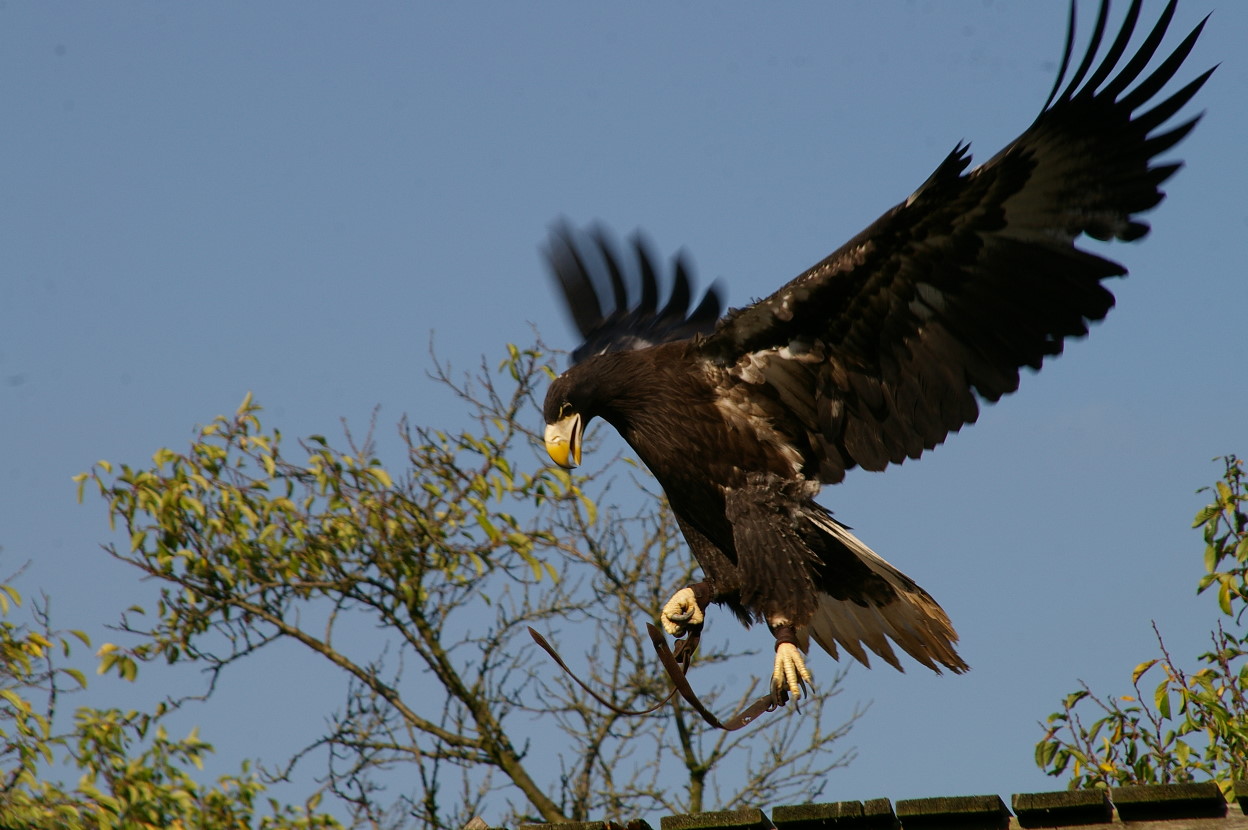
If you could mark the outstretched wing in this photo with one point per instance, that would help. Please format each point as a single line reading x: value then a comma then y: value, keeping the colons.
x: 586, y: 266
x: 878, y: 352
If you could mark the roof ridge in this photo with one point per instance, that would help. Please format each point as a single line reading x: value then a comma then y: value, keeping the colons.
x: 1191, y: 806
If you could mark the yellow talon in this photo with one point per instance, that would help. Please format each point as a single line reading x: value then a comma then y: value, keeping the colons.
x: 790, y: 671
x: 681, y: 613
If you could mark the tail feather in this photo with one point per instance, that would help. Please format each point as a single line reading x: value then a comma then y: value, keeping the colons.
x: 907, y: 614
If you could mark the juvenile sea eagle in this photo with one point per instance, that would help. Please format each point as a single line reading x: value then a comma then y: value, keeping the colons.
x: 870, y: 357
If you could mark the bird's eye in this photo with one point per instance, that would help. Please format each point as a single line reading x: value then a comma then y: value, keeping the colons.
x: 565, y: 409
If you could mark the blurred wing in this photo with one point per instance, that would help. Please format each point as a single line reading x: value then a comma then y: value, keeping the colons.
x: 586, y: 267
x: 877, y: 353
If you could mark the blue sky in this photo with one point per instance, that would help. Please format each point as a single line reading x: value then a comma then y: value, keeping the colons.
x: 292, y: 198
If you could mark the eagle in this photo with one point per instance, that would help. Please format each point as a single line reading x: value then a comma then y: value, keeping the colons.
x: 872, y: 356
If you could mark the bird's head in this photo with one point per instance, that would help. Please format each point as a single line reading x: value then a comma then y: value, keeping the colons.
x: 565, y: 423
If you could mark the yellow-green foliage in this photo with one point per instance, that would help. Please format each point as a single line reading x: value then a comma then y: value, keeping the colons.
x: 236, y: 526
x: 131, y: 774
x: 1190, y: 726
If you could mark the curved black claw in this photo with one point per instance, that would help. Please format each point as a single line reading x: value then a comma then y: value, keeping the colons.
x: 682, y: 618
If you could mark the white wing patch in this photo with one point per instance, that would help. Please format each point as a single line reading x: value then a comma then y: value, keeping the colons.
x: 790, y: 373
x: 744, y: 409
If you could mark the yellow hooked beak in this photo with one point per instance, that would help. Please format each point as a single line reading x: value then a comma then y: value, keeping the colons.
x: 563, y: 441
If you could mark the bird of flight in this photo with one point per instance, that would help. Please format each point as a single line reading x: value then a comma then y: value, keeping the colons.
x: 870, y: 357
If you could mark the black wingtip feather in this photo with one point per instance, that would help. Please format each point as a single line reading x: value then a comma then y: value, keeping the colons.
x: 570, y: 271
x: 1094, y: 45
x: 1127, y: 75
x: 1162, y: 112
x: 1118, y: 47
x: 619, y: 291
x: 1067, y: 52
x: 1164, y: 141
x: 710, y: 309
x: 1151, y: 85
x: 649, y: 281
x: 586, y: 266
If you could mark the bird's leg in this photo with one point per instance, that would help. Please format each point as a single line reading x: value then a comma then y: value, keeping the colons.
x: 790, y: 674
x: 684, y: 611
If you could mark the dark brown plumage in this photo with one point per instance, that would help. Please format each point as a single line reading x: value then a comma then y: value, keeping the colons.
x: 870, y: 357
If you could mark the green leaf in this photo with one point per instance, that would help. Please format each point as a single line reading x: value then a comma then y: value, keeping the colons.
x: 382, y: 477
x: 1212, y: 554
x: 18, y: 703
x: 1045, y: 750
x: 1205, y: 514
x: 485, y: 524
x: 5, y: 594
x: 1162, y: 699
x: 1141, y: 668
x: 81, y: 480
x: 106, y: 663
